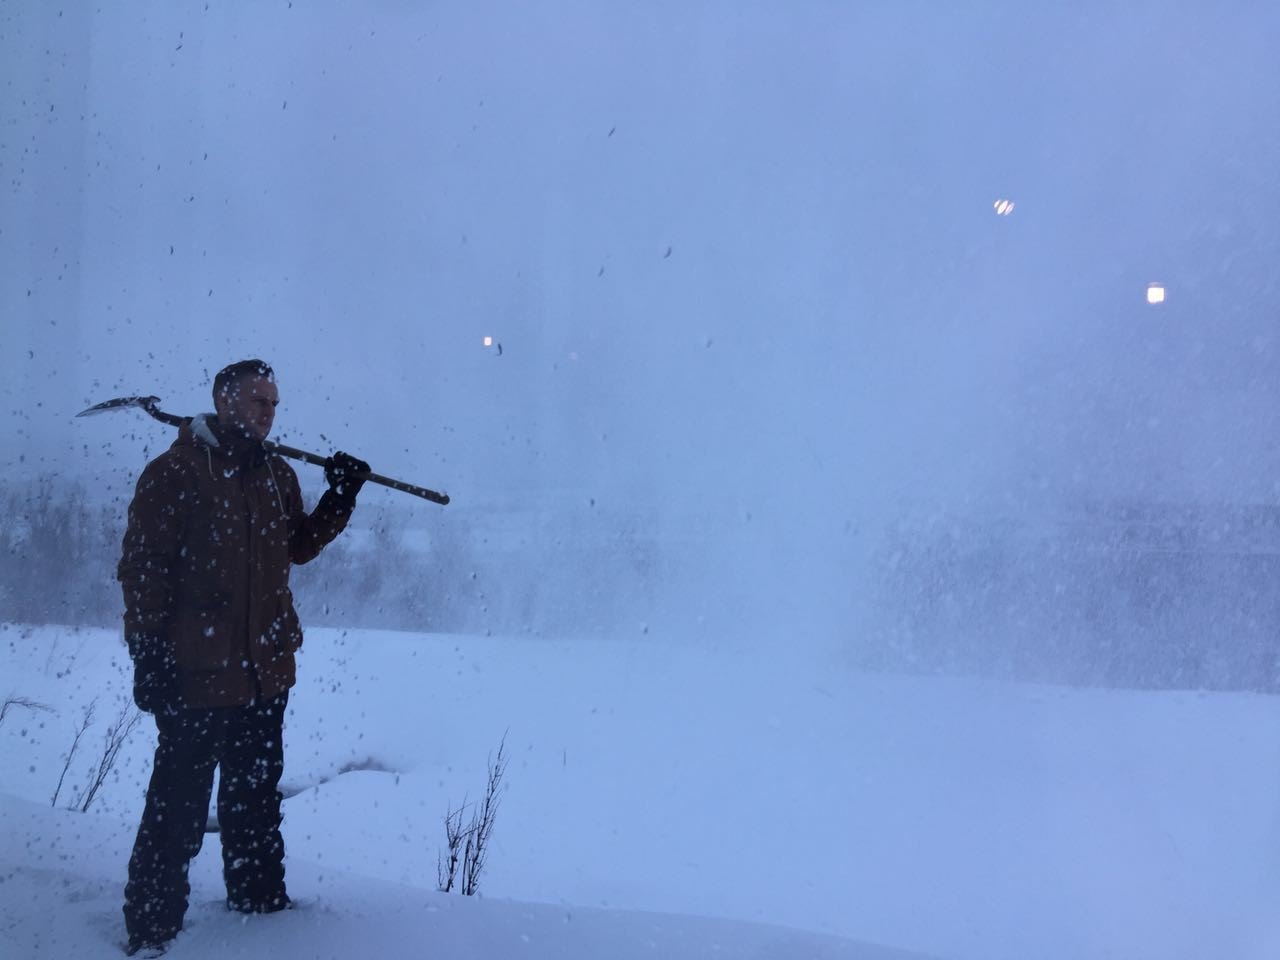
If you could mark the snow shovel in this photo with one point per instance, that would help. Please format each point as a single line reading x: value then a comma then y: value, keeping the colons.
x: 150, y: 405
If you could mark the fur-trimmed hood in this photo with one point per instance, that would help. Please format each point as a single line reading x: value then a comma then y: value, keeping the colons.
x: 204, y: 430
x: 201, y: 429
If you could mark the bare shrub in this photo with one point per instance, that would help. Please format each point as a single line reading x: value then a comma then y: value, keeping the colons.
x: 112, y: 741
x: 468, y: 847
x: 85, y: 720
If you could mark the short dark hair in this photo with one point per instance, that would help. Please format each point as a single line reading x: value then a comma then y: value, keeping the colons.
x: 235, y: 371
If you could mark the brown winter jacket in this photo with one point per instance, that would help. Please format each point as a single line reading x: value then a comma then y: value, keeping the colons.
x: 214, y: 526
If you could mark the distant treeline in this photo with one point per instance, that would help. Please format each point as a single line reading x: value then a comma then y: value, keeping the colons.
x: 1135, y: 595
x: 59, y: 554
x: 59, y: 549
x: 1115, y: 595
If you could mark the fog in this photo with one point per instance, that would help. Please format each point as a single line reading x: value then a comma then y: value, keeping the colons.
x: 749, y: 295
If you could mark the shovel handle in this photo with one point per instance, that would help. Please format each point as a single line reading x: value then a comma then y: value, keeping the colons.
x: 294, y: 453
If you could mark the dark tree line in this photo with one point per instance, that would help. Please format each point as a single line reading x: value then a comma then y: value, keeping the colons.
x: 1135, y: 596
x: 59, y: 549
x: 1124, y: 595
x: 452, y: 571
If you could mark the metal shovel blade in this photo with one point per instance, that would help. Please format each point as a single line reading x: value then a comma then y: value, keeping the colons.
x: 143, y: 403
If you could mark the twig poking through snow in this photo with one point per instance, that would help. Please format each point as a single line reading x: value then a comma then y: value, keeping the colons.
x: 472, y: 841
x: 114, y: 739
x: 23, y: 702
x: 447, y: 867
x: 85, y: 721
x: 481, y: 827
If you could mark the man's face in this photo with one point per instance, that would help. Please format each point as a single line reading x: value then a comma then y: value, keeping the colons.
x: 248, y: 406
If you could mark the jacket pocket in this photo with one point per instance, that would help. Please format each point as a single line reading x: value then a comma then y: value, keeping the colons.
x: 203, y: 636
x: 285, y: 631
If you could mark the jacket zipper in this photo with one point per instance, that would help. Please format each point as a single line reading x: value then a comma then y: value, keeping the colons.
x: 251, y: 641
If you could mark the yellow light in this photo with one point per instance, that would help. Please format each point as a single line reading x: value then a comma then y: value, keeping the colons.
x: 1155, y: 293
x: 488, y: 341
x: 1003, y: 207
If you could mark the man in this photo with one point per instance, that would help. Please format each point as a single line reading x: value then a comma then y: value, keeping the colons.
x: 214, y: 526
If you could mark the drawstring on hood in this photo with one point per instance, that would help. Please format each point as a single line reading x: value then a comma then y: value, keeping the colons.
x: 201, y: 430
x: 275, y: 487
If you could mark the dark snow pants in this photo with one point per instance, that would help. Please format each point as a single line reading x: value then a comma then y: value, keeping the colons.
x: 246, y: 744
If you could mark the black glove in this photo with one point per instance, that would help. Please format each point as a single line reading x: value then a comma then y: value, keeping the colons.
x: 345, y: 475
x: 156, y: 687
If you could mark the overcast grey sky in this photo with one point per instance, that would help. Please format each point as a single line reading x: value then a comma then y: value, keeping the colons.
x: 737, y: 255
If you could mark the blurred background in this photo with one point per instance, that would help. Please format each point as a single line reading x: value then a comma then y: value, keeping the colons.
x: 918, y: 336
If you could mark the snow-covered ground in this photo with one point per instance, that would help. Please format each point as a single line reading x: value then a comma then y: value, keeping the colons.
x: 676, y: 801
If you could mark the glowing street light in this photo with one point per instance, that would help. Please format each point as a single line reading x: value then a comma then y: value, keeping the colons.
x: 1003, y: 207
x: 1155, y: 293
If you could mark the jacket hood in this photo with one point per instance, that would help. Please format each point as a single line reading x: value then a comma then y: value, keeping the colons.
x: 203, y: 432
x: 200, y: 430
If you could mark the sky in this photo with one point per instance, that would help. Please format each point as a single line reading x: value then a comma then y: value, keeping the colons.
x: 362, y: 195
x: 742, y: 260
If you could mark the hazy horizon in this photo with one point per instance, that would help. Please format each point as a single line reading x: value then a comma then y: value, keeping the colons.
x: 743, y: 261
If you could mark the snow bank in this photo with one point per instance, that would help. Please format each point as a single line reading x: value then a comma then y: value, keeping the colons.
x: 959, y: 819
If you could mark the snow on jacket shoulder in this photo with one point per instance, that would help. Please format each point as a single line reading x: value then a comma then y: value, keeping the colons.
x: 214, y: 526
